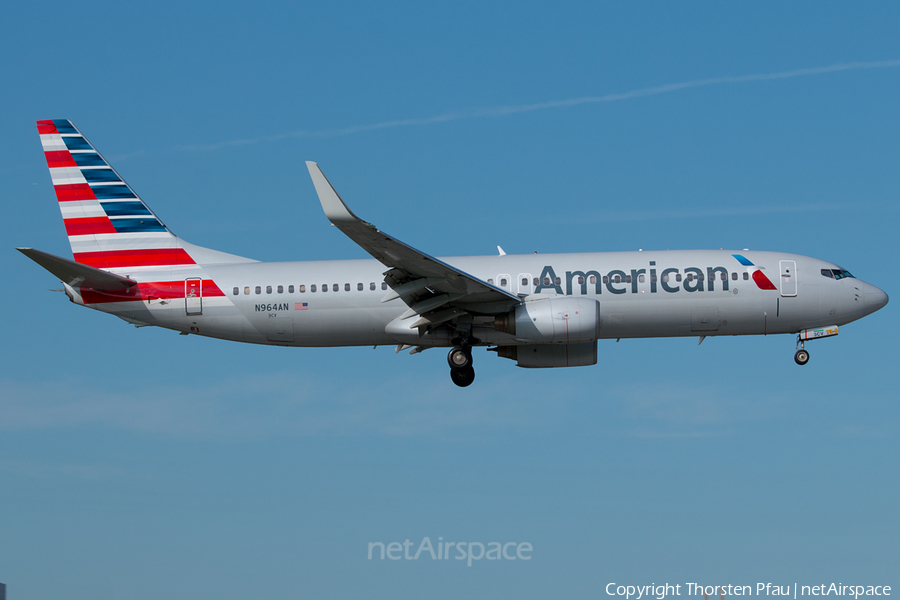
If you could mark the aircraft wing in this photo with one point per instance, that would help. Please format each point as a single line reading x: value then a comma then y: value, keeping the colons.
x: 77, y: 274
x: 430, y: 287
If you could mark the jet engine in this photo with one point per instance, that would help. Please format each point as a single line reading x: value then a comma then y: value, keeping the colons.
x: 554, y: 320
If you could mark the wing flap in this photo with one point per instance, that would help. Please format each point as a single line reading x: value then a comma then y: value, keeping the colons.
x: 77, y: 274
x: 410, y: 287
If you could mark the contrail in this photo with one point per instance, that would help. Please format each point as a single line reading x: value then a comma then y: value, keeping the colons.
x: 499, y: 111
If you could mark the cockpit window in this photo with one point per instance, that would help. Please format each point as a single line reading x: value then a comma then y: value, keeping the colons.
x: 837, y: 273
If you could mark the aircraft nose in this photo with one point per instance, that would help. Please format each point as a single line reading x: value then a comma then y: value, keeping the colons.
x: 874, y: 298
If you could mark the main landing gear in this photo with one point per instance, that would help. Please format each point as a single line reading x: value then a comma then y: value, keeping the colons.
x: 801, y: 357
x: 461, y: 371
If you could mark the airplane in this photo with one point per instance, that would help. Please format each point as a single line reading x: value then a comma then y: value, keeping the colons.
x: 542, y: 311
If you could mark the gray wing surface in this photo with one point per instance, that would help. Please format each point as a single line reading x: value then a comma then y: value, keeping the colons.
x: 77, y: 274
x: 430, y: 287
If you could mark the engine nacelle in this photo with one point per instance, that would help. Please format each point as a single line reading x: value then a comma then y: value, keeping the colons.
x: 555, y: 320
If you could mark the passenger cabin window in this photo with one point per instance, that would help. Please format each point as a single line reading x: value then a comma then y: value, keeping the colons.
x: 383, y: 286
x: 280, y: 289
x: 335, y: 287
x: 525, y: 282
x: 324, y: 287
x: 746, y: 276
x: 372, y: 286
x: 593, y: 279
x: 312, y: 288
x: 268, y: 289
x: 690, y: 276
x: 606, y: 279
x: 628, y: 279
x: 546, y: 281
x: 557, y: 280
x: 346, y: 287
x: 665, y: 277
x: 258, y: 290
x: 503, y: 282
x: 537, y: 282
x: 302, y: 289
x: 653, y: 278
x: 641, y: 278
x: 722, y: 277
x: 236, y: 291
x: 491, y: 281
x: 247, y: 291
x: 678, y: 277
x: 618, y: 279
x: 734, y: 276
x: 290, y: 289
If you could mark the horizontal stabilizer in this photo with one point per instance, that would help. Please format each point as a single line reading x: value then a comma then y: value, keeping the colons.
x: 76, y: 274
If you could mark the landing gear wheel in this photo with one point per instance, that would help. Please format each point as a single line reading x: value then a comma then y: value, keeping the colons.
x: 463, y: 377
x: 801, y: 357
x: 460, y: 358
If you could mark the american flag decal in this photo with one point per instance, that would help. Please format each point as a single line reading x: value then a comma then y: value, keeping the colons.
x: 301, y: 305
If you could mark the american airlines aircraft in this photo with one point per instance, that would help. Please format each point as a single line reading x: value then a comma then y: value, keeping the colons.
x: 538, y: 310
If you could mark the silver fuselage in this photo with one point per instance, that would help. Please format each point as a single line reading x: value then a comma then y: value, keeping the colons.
x: 652, y: 298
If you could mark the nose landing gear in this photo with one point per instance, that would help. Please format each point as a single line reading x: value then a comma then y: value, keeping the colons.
x: 461, y: 371
x: 801, y: 357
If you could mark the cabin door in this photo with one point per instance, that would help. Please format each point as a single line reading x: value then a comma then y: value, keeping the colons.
x: 193, y: 296
x: 788, y: 277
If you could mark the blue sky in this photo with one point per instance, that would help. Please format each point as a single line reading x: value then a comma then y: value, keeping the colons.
x: 139, y: 463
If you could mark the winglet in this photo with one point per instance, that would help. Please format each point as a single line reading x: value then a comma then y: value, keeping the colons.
x: 334, y: 207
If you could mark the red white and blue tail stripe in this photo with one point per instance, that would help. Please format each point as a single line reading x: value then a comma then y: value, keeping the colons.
x: 108, y: 225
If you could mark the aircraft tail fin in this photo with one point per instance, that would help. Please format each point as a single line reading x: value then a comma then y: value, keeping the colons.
x: 108, y: 225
